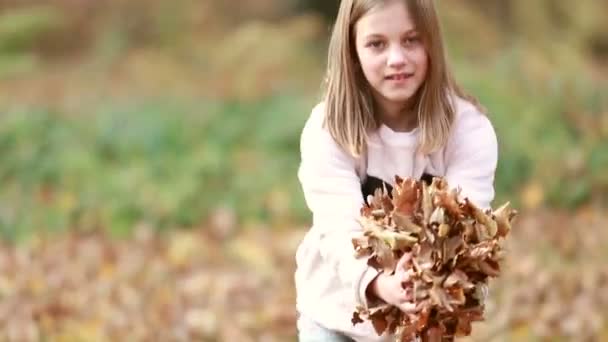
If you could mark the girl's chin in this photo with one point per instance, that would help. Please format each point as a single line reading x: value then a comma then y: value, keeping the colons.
x: 398, y: 97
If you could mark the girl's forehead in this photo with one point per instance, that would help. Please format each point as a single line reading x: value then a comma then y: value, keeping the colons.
x: 383, y: 19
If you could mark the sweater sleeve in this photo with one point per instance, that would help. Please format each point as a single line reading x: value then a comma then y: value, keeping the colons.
x: 471, y: 156
x: 332, y: 191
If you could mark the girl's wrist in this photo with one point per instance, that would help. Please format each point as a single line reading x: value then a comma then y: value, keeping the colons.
x: 373, y: 289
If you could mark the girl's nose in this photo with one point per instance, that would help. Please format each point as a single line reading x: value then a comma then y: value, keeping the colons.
x: 396, y: 57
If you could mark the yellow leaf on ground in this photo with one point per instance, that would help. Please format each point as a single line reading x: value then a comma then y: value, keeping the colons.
x: 182, y: 247
x: 252, y: 253
x: 532, y: 195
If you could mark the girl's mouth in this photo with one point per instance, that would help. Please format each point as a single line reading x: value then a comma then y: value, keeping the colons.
x: 399, y: 77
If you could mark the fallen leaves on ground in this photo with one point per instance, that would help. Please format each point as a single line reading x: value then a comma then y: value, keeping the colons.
x: 186, y: 285
x: 179, y: 286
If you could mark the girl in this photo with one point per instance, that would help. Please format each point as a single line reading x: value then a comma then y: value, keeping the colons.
x: 391, y: 108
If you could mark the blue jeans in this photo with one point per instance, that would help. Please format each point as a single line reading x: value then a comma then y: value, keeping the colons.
x: 309, y: 331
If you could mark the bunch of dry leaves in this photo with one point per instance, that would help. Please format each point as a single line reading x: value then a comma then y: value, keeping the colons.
x: 454, y: 245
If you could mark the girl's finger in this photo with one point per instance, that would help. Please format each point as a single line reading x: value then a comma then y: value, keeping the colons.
x: 407, y: 295
x: 404, y: 276
x: 408, y: 307
x: 403, y: 261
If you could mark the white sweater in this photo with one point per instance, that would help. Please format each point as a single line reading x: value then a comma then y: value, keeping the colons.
x: 329, y: 281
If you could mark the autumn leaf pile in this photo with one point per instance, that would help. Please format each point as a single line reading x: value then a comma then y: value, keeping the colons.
x: 455, y: 246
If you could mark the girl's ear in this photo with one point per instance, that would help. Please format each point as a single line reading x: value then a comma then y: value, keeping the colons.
x: 355, y: 62
x: 358, y: 69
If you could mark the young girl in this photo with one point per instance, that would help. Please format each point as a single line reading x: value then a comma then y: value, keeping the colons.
x: 391, y: 108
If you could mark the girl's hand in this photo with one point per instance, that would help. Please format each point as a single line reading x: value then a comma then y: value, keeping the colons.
x: 396, y: 288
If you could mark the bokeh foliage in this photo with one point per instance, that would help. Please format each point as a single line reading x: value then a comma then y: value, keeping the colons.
x: 142, y: 116
x: 118, y: 112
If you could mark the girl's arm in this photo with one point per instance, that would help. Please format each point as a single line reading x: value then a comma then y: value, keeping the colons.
x: 332, y: 191
x: 471, y: 157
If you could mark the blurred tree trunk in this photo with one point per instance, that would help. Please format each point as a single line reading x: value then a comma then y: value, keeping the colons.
x: 500, y: 10
x: 327, y: 8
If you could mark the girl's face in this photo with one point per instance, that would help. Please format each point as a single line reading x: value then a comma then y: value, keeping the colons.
x: 391, y: 53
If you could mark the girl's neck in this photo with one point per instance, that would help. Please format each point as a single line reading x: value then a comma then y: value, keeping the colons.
x: 399, y: 118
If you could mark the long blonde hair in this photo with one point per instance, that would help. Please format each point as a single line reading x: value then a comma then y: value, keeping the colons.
x: 348, y: 102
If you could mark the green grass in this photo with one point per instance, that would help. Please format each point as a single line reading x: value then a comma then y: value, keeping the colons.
x: 162, y: 163
x: 170, y: 163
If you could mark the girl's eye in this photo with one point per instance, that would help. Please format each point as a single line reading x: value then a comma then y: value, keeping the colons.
x: 411, y: 40
x: 377, y: 44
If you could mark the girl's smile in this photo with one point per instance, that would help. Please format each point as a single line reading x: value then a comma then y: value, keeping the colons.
x: 399, y: 78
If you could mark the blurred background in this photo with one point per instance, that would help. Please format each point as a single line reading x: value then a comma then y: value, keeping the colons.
x: 149, y: 148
